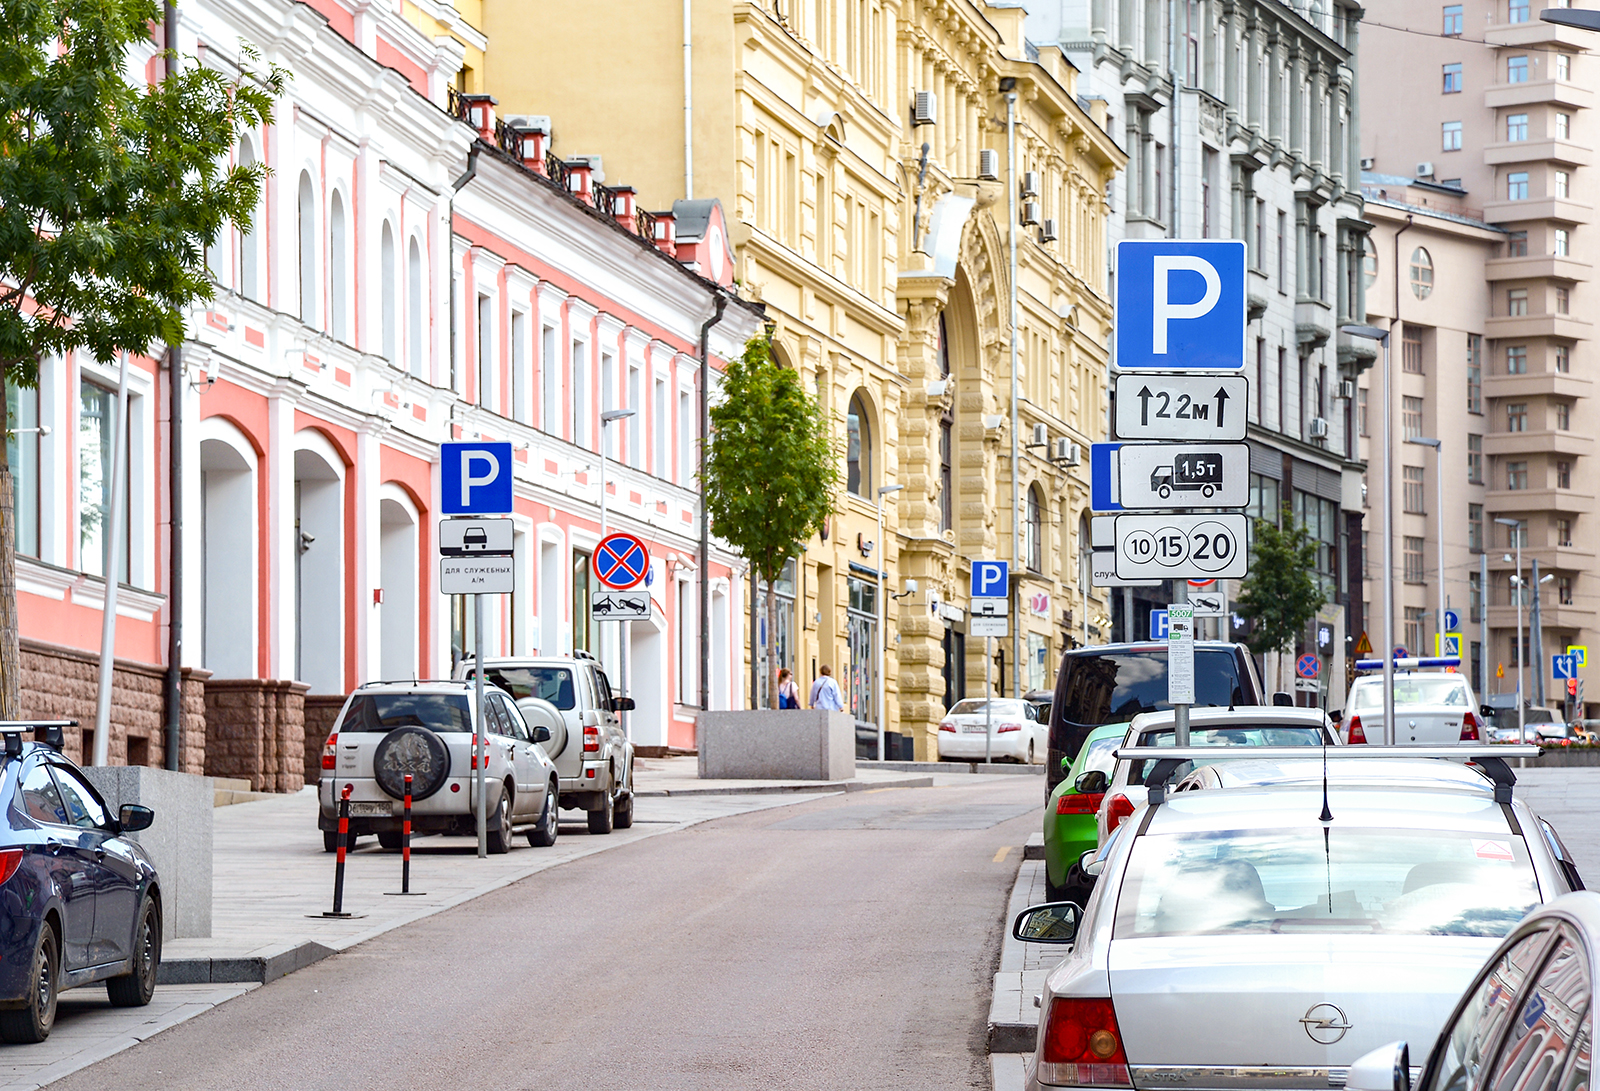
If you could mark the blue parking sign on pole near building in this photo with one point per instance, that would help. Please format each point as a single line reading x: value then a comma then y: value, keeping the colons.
x: 989, y: 580
x: 1160, y: 625
x: 475, y: 478
x: 1181, y: 304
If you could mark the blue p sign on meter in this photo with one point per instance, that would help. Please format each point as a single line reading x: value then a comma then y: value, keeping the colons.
x: 989, y: 580
x: 475, y: 478
x: 1181, y: 304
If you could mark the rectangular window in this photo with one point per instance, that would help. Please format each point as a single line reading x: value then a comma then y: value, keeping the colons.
x: 585, y: 630
x: 1516, y: 359
x: 1517, y: 186
x: 608, y: 401
x: 1208, y: 164
x: 1516, y: 416
x: 1412, y: 491
x: 580, y: 393
x: 947, y: 486
x: 1563, y: 65
x: 1563, y: 126
x: 1260, y: 255
x: 1411, y: 353
x: 1516, y: 127
x: 1282, y: 254
x: 1564, y: 590
x: 1475, y: 607
x: 1411, y: 417
x: 687, y: 427
x: 1475, y: 527
x: 1563, y: 184
x: 661, y: 422
x: 1564, y: 358
x: 1563, y: 475
x: 521, y: 369
x: 1517, y: 535
x: 1414, y: 619
x: 1517, y: 69
x: 1474, y: 373
x: 96, y: 422
x: 1451, y: 136
x: 1452, y: 20
x: 1564, y: 416
x: 1563, y: 244
x: 1413, y: 561
x: 1563, y: 532
x: 1517, y: 244
x: 550, y: 373
x: 22, y: 453
x: 635, y: 423
x: 1361, y: 411
x: 1161, y: 154
x: 1517, y: 11
x: 1452, y: 79
x: 485, y: 339
x: 1474, y: 459
x: 1516, y: 476
x: 1516, y: 301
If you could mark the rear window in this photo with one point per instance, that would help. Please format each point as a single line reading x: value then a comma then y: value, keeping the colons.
x: 1114, y: 688
x: 1441, y: 691
x: 976, y: 706
x: 1223, y: 738
x: 553, y: 684
x: 382, y: 712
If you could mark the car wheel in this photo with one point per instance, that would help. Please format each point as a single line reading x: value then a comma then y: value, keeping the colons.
x: 543, y: 835
x: 603, y: 819
x: 32, y: 1021
x: 330, y: 841
x: 1030, y: 754
x: 390, y: 841
x: 500, y: 829
x: 135, y: 988
x: 1076, y: 889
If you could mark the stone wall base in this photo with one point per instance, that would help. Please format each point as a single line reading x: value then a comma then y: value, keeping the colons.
x: 256, y: 731
x: 322, y: 709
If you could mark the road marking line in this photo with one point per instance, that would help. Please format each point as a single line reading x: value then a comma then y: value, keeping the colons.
x: 1000, y: 857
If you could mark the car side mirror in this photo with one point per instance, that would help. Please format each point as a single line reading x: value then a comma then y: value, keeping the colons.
x: 541, y: 733
x: 1053, y: 922
x: 1283, y: 700
x: 1092, y: 782
x: 1066, y: 765
x: 133, y: 818
x: 1089, y: 865
x: 622, y: 704
x: 1387, y: 1068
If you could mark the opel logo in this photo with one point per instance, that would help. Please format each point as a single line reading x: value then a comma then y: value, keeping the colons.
x: 1325, y: 1023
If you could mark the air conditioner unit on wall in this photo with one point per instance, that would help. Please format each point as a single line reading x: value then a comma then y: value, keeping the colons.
x: 1047, y: 231
x: 1317, y: 428
x: 988, y: 164
x: 1347, y: 388
x: 1424, y: 170
x: 1041, y: 435
x: 1064, y: 450
x: 1030, y: 213
x: 1368, y: 163
x: 925, y: 108
x: 1030, y: 183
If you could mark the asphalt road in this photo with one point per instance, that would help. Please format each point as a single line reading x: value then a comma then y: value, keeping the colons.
x: 849, y: 942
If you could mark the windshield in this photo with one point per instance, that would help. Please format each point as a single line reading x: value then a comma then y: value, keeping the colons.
x: 1109, y: 689
x: 384, y: 712
x: 1403, y: 882
x: 1264, y: 735
x: 1449, y: 692
x: 553, y: 684
x: 975, y: 706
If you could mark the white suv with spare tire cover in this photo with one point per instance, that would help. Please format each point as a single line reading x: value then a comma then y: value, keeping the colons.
x: 571, y: 695
x: 389, y: 729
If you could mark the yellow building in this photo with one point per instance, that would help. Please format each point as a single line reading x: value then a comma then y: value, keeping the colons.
x: 860, y: 147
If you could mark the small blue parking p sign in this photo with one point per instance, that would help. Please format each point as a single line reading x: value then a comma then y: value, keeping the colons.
x: 989, y: 580
x: 1180, y: 304
x: 475, y: 478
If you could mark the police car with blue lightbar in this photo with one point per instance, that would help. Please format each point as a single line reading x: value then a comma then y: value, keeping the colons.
x: 1432, y: 707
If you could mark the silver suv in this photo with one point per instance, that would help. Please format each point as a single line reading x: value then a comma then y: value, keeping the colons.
x: 389, y: 729
x: 572, y: 696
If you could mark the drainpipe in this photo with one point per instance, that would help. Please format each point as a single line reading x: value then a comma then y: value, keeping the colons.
x: 1016, y: 495
x: 688, y: 102
x: 705, y: 518
x: 172, y: 688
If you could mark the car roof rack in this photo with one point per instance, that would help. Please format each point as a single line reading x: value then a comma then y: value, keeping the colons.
x: 48, y: 732
x: 1490, y: 758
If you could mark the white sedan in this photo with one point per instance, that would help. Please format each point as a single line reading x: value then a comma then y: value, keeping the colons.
x: 1009, y: 725
x: 1267, y: 936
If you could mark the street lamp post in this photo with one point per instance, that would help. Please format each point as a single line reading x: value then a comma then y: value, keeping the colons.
x: 1522, y: 658
x: 1438, y: 450
x: 607, y: 417
x: 883, y: 616
x: 1373, y: 333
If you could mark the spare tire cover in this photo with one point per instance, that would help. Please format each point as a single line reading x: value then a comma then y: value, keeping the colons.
x: 414, y: 750
x: 537, y: 711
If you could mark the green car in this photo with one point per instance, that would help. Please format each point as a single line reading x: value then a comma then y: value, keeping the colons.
x: 1069, y: 816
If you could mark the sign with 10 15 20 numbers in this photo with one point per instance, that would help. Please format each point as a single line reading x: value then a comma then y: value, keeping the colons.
x: 1182, y: 546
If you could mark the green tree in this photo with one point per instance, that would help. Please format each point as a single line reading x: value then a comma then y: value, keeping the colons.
x: 110, y: 192
x: 1283, y: 591
x: 771, y: 467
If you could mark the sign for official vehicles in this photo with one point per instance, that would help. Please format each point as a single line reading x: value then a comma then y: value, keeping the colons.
x: 1159, y: 406
x: 476, y: 538
x: 1182, y: 546
x: 477, y: 575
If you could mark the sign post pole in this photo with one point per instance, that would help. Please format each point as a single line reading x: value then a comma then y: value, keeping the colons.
x: 480, y: 726
x: 988, y: 699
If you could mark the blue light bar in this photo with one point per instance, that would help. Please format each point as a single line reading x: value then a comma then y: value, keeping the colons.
x: 1410, y: 663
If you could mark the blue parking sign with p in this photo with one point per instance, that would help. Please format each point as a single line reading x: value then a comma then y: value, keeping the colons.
x: 1181, y: 304
x: 475, y: 478
x: 989, y: 580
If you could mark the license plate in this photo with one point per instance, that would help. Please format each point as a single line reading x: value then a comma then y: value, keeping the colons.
x: 972, y: 729
x: 371, y: 810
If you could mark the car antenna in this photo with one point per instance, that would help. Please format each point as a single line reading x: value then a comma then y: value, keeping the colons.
x: 1326, y: 815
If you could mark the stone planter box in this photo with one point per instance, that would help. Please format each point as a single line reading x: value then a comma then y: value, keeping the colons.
x: 777, y: 744
x: 179, y: 841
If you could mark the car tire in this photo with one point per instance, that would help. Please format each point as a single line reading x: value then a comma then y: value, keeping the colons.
x: 135, y: 988
x: 1076, y: 889
x: 499, y: 833
x: 391, y: 841
x: 1031, y: 760
x: 604, y: 818
x: 330, y: 841
x: 32, y: 1022
x: 544, y: 834
x: 414, y: 750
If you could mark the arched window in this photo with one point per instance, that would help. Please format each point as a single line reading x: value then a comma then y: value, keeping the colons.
x: 858, y: 455
x: 338, y: 269
x: 308, y: 251
x: 414, y: 309
x: 249, y: 272
x: 1369, y: 262
x: 1421, y: 273
x: 1033, y: 531
x: 391, y: 303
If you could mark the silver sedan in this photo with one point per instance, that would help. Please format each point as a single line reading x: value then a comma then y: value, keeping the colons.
x: 1268, y: 934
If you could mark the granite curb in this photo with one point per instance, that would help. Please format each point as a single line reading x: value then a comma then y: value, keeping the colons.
x: 769, y: 789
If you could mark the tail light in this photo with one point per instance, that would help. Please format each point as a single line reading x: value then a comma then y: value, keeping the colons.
x: 330, y: 751
x: 1003, y: 728
x: 475, y: 752
x: 1469, y: 728
x: 1357, y: 736
x: 1079, y: 802
x: 947, y: 726
x: 1119, y: 808
x: 1082, y: 1045
x: 591, y: 740
x: 10, y: 860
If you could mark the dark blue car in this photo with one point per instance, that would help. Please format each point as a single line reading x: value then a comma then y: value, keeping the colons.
x: 79, y: 903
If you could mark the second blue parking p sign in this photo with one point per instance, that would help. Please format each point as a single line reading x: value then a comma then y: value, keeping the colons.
x: 1181, y: 304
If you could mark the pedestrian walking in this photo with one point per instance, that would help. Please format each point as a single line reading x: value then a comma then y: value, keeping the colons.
x: 825, y: 691
x: 788, y: 692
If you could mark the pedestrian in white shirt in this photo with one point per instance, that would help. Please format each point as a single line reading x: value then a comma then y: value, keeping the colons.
x: 825, y: 691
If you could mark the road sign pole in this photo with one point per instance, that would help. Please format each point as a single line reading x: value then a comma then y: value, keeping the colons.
x: 479, y: 729
x: 1180, y: 710
x: 988, y: 698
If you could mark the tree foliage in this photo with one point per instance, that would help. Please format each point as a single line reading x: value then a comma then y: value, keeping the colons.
x: 1283, y: 592
x: 771, y: 468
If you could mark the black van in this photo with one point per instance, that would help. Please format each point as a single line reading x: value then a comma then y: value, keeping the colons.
x: 1113, y: 683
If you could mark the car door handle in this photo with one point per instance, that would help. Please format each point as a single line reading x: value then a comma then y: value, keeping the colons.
x: 100, y: 854
x: 53, y: 847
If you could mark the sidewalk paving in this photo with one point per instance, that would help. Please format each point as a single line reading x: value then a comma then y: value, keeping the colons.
x: 272, y: 881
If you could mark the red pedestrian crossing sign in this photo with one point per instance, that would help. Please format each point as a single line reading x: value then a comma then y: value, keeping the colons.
x: 620, y: 561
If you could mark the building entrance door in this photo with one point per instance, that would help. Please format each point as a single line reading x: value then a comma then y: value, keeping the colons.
x: 862, y: 688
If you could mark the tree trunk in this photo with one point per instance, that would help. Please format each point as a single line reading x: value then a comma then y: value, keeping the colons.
x: 772, y: 633
x: 10, y: 650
